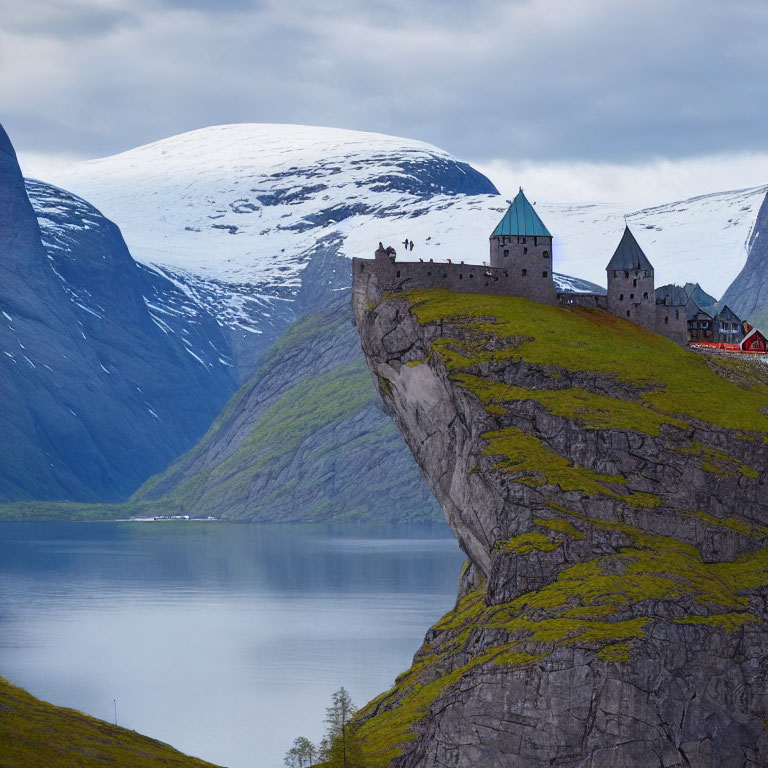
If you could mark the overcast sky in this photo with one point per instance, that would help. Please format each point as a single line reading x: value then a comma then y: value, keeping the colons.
x: 606, y: 99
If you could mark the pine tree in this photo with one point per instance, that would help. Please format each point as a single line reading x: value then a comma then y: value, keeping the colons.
x: 344, y: 749
x: 302, y: 754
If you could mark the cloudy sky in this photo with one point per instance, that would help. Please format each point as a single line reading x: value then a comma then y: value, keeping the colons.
x: 643, y: 101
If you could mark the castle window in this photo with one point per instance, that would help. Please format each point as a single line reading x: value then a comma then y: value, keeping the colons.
x: 666, y: 321
x: 524, y: 240
x: 525, y: 272
x: 471, y: 276
x: 677, y: 314
x: 634, y: 283
x: 535, y: 240
x: 626, y: 273
x: 544, y: 274
x: 362, y: 267
x: 506, y: 252
x: 429, y: 274
x: 621, y: 297
x: 461, y: 277
x: 398, y: 273
x: 627, y: 313
x: 545, y: 254
x: 645, y: 294
x: 525, y: 250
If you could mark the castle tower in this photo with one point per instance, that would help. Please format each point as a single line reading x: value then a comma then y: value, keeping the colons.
x: 522, y: 246
x: 630, y: 283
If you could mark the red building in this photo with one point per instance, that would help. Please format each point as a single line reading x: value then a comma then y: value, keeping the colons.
x: 754, y: 341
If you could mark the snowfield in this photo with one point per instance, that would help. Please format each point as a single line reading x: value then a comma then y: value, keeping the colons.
x: 233, y: 213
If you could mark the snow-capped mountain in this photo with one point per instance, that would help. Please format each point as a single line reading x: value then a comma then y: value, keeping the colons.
x: 235, y: 213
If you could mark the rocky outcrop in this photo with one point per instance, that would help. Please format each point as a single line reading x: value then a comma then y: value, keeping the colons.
x: 610, y: 492
x: 748, y: 293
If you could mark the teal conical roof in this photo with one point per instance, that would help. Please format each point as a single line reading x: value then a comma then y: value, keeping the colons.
x: 521, y: 219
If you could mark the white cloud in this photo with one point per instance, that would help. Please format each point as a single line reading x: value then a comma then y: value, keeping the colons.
x: 634, y: 186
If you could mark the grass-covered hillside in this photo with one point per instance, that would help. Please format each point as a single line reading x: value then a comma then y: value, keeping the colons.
x: 305, y: 439
x: 620, y: 484
x: 35, y: 734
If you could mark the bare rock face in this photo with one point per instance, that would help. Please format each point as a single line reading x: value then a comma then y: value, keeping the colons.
x: 609, y: 490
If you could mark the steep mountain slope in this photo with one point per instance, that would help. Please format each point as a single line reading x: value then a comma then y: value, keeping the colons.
x: 96, y: 394
x: 610, y: 491
x: 235, y: 213
x: 35, y: 734
x: 748, y: 294
x: 304, y: 439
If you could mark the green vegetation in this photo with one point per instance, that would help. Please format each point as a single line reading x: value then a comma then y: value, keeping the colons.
x: 591, y: 410
x: 733, y: 523
x: 45, y: 511
x: 35, y: 734
x: 528, y: 542
x: 672, y: 382
x: 340, y: 747
x: 536, y: 464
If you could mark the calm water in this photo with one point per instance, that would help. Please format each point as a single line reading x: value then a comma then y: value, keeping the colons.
x: 223, y: 640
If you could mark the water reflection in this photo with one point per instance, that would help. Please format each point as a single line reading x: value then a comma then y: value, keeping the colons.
x: 224, y: 640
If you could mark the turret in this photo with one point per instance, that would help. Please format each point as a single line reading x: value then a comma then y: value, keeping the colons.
x: 522, y: 245
x: 384, y: 255
x: 630, y: 283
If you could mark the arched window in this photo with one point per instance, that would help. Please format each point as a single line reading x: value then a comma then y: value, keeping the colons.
x: 506, y: 252
x: 666, y: 321
x: 645, y: 294
x: 621, y: 297
x: 525, y: 250
x: 627, y: 313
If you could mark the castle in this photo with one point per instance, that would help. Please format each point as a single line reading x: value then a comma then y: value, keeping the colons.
x: 521, y: 265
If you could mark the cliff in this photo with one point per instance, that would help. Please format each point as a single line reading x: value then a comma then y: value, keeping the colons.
x: 609, y: 490
x: 748, y: 293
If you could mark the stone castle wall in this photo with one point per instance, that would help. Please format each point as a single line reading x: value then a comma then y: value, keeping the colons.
x: 631, y: 298
x: 460, y: 278
x: 670, y: 321
x: 530, y: 260
x: 589, y: 300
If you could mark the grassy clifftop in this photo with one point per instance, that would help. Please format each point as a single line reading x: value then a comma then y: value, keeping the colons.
x: 35, y: 734
x: 670, y: 381
x: 615, y: 486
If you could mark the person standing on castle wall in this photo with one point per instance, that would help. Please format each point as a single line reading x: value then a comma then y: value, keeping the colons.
x: 411, y: 245
x: 405, y: 243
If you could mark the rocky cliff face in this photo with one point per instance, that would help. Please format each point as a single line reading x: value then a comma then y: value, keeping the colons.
x: 610, y: 492
x: 748, y: 293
